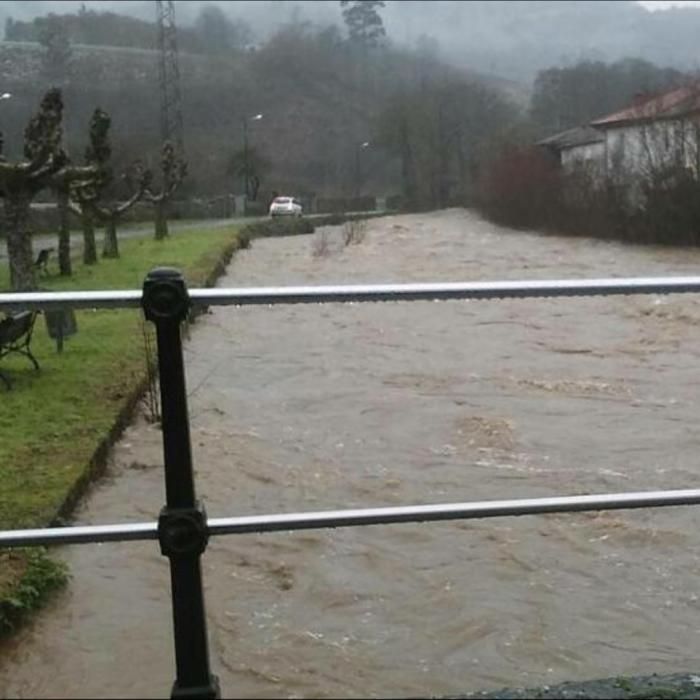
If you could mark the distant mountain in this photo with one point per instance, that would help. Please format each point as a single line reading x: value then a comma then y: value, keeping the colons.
x: 517, y: 39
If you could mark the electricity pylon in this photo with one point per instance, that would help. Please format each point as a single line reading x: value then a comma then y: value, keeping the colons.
x: 171, y: 124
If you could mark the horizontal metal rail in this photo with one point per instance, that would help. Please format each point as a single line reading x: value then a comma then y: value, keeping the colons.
x: 363, y: 516
x: 255, y: 296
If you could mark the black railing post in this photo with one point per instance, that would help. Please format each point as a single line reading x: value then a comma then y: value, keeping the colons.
x: 182, y: 525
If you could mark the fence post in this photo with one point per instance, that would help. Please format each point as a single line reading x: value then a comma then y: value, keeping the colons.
x: 182, y: 525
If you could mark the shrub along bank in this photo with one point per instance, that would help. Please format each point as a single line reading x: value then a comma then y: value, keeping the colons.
x: 527, y: 188
x: 267, y: 228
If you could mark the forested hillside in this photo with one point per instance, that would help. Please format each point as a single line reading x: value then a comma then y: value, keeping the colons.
x: 342, y: 115
x: 322, y: 96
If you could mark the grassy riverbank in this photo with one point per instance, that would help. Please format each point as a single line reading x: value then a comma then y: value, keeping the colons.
x: 57, y: 424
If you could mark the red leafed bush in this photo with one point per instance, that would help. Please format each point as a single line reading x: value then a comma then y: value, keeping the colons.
x: 522, y: 188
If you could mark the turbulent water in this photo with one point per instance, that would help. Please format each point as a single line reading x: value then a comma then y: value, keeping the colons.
x: 334, y: 406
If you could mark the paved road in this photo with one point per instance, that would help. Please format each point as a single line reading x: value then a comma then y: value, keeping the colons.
x: 50, y: 240
x: 141, y: 230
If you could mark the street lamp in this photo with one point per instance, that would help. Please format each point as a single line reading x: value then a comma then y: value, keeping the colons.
x: 246, y: 174
x: 358, y: 148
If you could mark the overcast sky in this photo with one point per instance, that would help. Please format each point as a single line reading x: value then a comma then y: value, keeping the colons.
x: 665, y: 4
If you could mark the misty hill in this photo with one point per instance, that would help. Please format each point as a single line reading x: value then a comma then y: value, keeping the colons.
x: 431, y: 127
x: 513, y: 39
x: 321, y: 98
x: 517, y: 39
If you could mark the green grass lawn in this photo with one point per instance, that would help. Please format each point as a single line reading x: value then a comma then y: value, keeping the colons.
x: 52, y: 421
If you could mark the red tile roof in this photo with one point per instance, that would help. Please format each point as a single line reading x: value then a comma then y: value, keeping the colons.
x: 674, y: 103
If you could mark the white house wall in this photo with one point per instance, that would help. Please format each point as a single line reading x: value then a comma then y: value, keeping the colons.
x: 589, y: 157
x: 642, y: 150
x: 587, y: 153
x: 631, y: 155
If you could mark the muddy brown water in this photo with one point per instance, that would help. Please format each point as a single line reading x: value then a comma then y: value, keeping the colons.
x: 332, y: 406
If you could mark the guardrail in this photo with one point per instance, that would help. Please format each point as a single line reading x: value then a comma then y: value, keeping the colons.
x: 183, y: 528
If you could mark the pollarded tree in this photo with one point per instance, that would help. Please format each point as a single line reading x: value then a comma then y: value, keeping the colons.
x: 86, y: 196
x: 174, y: 169
x: 22, y: 180
x: 97, y: 156
x: 86, y: 203
x: 73, y: 177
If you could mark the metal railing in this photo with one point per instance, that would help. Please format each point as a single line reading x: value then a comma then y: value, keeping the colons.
x: 183, y: 528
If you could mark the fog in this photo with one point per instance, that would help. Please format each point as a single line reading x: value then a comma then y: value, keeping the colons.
x: 511, y: 39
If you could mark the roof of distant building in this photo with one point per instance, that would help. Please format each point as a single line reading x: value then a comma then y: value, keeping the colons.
x: 579, y: 136
x: 648, y: 107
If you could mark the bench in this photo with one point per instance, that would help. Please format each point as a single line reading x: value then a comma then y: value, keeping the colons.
x: 15, y: 337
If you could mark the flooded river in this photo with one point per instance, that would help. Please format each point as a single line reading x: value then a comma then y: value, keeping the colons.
x: 322, y: 407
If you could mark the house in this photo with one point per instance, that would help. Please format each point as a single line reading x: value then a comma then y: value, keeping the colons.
x: 657, y: 133
x: 654, y: 137
x: 582, y: 147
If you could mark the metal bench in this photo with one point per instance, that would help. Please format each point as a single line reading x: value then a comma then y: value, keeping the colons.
x: 15, y: 337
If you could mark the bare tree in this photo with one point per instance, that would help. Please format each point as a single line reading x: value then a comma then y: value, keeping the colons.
x: 137, y: 179
x: 97, y: 155
x: 248, y: 164
x: 443, y: 131
x: 174, y: 169
x: 85, y: 196
x: 73, y: 177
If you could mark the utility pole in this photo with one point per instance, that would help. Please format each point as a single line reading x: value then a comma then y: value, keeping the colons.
x: 246, y: 174
x: 171, y: 124
x: 359, y: 147
x: 246, y: 164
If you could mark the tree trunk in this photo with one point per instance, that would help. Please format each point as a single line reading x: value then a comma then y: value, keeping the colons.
x: 19, y: 243
x: 161, y: 220
x: 443, y: 187
x: 410, y: 189
x: 111, y: 246
x: 255, y: 188
x: 89, y: 245
x: 64, y: 262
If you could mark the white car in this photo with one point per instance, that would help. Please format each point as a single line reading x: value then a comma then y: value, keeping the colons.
x: 286, y: 206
